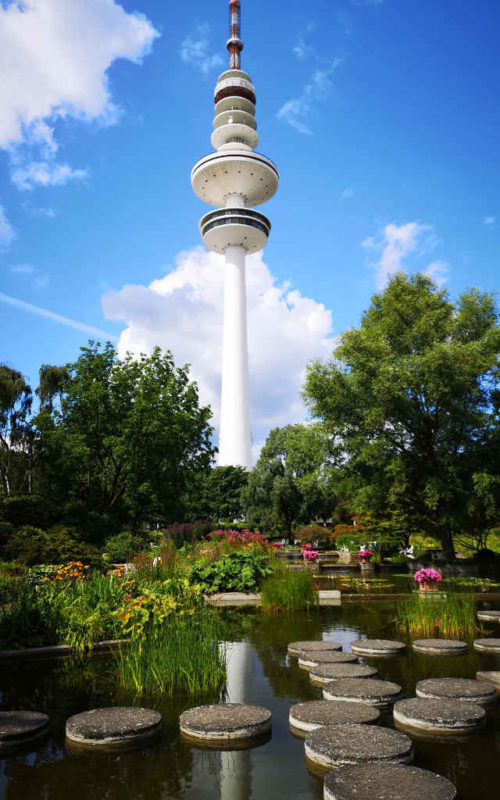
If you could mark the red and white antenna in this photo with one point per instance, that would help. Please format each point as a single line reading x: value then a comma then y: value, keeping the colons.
x: 234, y: 43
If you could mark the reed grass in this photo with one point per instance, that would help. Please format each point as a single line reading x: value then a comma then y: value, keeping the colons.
x: 183, y: 657
x: 288, y: 591
x: 452, y: 616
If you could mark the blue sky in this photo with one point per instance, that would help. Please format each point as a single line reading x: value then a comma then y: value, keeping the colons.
x: 383, y: 119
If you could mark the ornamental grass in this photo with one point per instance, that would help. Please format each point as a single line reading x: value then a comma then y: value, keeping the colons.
x: 288, y: 591
x: 433, y: 616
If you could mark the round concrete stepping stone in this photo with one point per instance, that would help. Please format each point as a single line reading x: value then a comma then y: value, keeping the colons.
x: 438, y: 716
x: 356, y: 744
x: 371, y: 691
x: 295, y: 648
x: 314, y: 659
x: 487, y: 615
x: 487, y: 646
x: 307, y: 717
x: 492, y: 677
x: 225, y: 722
x: 377, y: 647
x: 115, y: 726
x: 323, y: 673
x: 465, y: 689
x: 386, y: 782
x: 20, y: 726
x: 440, y: 647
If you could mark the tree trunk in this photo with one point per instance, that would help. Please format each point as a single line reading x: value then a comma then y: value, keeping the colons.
x: 447, y: 542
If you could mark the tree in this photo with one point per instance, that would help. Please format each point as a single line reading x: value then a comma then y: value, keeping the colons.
x: 216, y: 494
x: 413, y: 397
x: 125, y: 438
x: 15, y: 433
x: 293, y: 481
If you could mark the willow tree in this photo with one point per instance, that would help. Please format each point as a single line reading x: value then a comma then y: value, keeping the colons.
x: 413, y: 396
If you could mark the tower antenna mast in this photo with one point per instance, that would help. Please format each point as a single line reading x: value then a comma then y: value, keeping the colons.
x: 234, y: 43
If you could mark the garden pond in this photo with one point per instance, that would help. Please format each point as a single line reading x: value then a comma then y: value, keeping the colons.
x: 259, y: 672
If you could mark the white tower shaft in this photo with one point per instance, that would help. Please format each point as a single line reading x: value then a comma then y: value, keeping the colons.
x: 234, y: 433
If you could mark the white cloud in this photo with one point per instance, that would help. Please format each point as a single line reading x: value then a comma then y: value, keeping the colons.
x: 183, y: 312
x: 195, y: 50
x: 7, y: 233
x: 347, y: 193
x: 438, y: 271
x: 45, y: 173
x: 297, y: 111
x: 396, y: 243
x: 489, y: 222
x: 39, y: 211
x: 55, y: 57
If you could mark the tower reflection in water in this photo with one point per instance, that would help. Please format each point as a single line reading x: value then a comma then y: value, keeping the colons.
x: 235, y: 765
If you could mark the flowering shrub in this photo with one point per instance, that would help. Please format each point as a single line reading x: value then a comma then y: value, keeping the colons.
x: 427, y: 576
x: 155, y: 604
x: 365, y: 554
x: 277, y: 544
x: 240, y: 540
x: 309, y: 554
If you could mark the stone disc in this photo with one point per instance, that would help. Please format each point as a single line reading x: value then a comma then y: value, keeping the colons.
x: 469, y: 691
x: 295, y: 648
x: 440, y: 647
x: 491, y: 676
x: 310, y: 660
x: 318, y: 713
x: 379, y: 781
x: 323, y: 673
x: 113, y: 726
x: 377, y: 647
x: 487, y: 646
x: 439, y: 716
x: 488, y: 615
x: 356, y: 744
x: 17, y: 726
x: 224, y: 722
x: 371, y: 691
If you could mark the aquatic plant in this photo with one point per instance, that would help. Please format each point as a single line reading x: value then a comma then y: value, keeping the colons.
x: 288, y: 591
x: 452, y: 616
x: 183, y: 656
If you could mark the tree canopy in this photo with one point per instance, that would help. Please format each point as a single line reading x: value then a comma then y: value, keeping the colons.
x: 411, y: 399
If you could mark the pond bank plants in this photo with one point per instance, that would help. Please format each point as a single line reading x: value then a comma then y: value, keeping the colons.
x: 452, y: 616
x: 288, y: 591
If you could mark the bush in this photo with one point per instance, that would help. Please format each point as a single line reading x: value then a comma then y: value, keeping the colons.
x: 242, y: 571
x: 347, y: 540
x: 30, y: 509
x: 122, y: 547
x: 312, y: 533
x: 55, y: 546
x: 6, y: 531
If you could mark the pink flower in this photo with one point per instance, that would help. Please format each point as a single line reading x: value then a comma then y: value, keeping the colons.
x: 427, y: 576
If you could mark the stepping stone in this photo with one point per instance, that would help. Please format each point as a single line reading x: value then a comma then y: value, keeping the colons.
x: 386, y: 782
x: 372, y: 692
x: 465, y: 689
x: 488, y: 616
x: 295, y: 648
x: 487, y: 646
x: 314, y: 659
x: 490, y: 677
x: 224, y: 722
x: 377, y: 647
x: 305, y: 717
x: 357, y: 744
x: 323, y: 673
x: 440, y: 647
x: 20, y: 726
x: 115, y: 726
x: 439, y: 716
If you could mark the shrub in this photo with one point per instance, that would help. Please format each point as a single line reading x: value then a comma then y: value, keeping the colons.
x: 6, y: 531
x: 242, y: 571
x: 288, y: 591
x: 347, y: 540
x: 312, y: 533
x: 30, y: 509
x: 122, y: 547
x: 55, y: 546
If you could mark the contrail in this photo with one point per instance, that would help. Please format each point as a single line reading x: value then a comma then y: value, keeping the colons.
x: 44, y: 312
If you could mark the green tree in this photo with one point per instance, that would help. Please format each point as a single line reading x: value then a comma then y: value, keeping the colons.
x: 125, y: 439
x: 293, y: 481
x: 216, y: 494
x: 16, y: 440
x: 413, y: 397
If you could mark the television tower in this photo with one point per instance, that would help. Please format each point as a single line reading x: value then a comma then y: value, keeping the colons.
x: 234, y: 180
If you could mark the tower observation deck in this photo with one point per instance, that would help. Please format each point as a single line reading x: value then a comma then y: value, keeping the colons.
x: 234, y: 180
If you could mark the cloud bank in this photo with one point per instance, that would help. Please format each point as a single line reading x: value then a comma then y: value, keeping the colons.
x: 183, y: 312
x: 55, y: 57
x: 396, y: 243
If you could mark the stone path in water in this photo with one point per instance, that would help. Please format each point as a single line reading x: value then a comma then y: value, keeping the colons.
x: 371, y: 691
x: 353, y: 744
x: 386, y: 782
x: 377, y: 647
x: 323, y: 673
x: 440, y: 647
x: 487, y: 646
x: 465, y: 689
x: 21, y: 726
x: 225, y: 722
x: 438, y: 716
x: 115, y: 726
